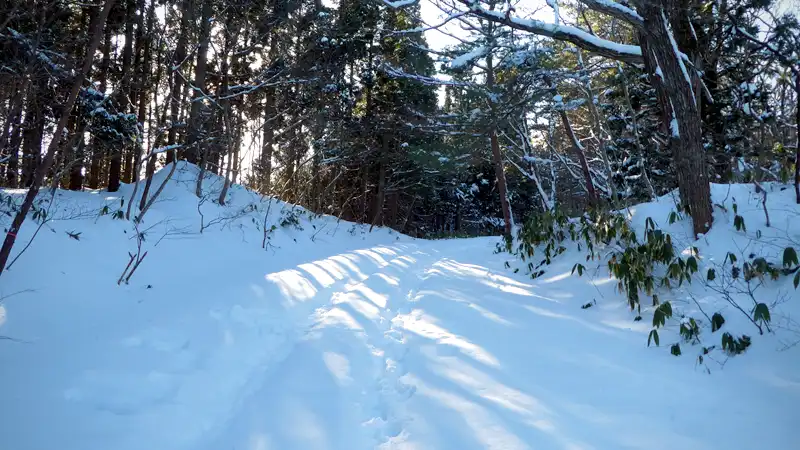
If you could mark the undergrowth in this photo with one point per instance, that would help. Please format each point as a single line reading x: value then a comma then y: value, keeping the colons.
x: 647, y: 266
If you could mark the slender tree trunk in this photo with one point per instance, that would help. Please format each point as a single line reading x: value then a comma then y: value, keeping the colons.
x: 497, y: 157
x: 601, y: 137
x: 75, y: 160
x: 97, y: 149
x: 175, y: 79
x: 579, y: 152
x: 381, y: 194
x: 43, y: 168
x: 117, y: 154
x: 32, y: 133
x: 193, y: 152
x: 636, y: 135
x: 797, y: 142
x: 13, y: 129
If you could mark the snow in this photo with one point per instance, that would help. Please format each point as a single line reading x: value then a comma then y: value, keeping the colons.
x: 556, y: 14
x: 673, y: 126
x: 468, y: 57
x: 399, y: 3
x: 612, y: 5
x: 547, y: 29
x: 337, y: 338
x: 678, y: 55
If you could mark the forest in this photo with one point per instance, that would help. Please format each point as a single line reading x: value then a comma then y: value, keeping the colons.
x: 345, y: 109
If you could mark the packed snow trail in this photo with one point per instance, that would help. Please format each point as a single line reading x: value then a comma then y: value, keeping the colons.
x: 441, y: 349
x: 427, y: 345
x: 336, y: 338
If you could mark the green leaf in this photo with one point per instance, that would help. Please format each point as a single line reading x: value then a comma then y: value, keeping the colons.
x: 727, y: 340
x: 673, y: 217
x: 654, y: 337
x: 675, y: 350
x: 666, y: 307
x: 761, y: 313
x: 730, y: 256
x: 738, y: 223
x: 712, y: 274
x: 658, y: 318
x: 716, y: 322
x: 691, y: 264
x: 797, y: 279
x: 790, y: 257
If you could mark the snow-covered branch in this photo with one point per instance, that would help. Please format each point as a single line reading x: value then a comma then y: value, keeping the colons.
x: 616, y: 10
x: 581, y: 38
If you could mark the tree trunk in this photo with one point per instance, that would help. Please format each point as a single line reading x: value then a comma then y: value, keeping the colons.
x: 13, y: 129
x: 381, y: 194
x: 175, y: 80
x: 32, y: 133
x: 76, y: 164
x: 601, y: 137
x: 797, y: 142
x: 497, y: 157
x: 97, y: 149
x: 193, y: 152
x: 117, y: 153
x: 579, y: 152
x: 675, y: 92
x: 42, y: 169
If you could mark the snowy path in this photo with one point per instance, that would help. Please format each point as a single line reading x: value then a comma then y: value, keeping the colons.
x: 411, y: 345
x: 435, y: 350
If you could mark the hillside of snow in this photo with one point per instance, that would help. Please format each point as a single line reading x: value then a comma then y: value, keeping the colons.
x: 334, y: 337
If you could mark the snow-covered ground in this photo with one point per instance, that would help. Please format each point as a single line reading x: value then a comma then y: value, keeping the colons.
x: 337, y: 338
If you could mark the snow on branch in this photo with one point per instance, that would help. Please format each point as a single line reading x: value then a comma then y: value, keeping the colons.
x: 468, y: 57
x: 399, y: 3
x: 616, y: 10
x: 395, y: 72
x: 621, y: 52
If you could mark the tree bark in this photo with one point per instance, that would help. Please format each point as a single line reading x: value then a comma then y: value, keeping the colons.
x: 497, y: 157
x: 175, y: 80
x: 115, y: 167
x: 97, y: 149
x: 42, y: 169
x: 676, y: 93
x: 578, y: 148
x: 32, y: 133
x: 797, y: 141
x: 193, y: 152
x: 13, y: 129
